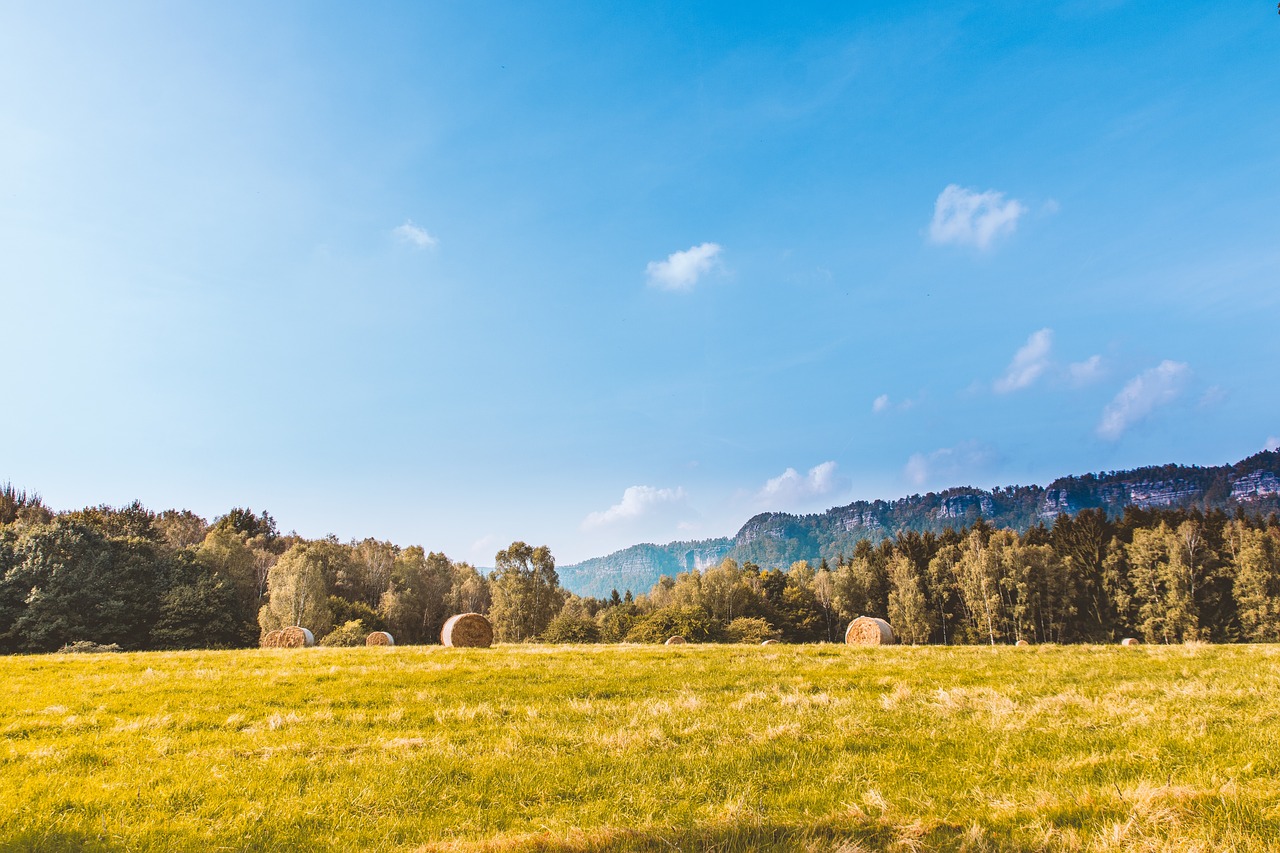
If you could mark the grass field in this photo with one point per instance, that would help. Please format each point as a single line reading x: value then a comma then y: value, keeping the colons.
x: 637, y: 748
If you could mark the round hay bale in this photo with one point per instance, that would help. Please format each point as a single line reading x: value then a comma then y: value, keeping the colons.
x: 870, y: 631
x: 675, y: 641
x: 379, y: 638
x: 467, y: 630
x: 769, y: 643
x: 1130, y: 641
x: 1022, y: 643
x: 271, y: 639
x: 296, y: 637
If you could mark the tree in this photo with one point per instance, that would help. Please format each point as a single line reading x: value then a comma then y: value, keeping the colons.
x: 572, y: 625
x: 526, y: 592
x: 978, y: 582
x: 181, y: 528
x: 908, y: 610
x: 201, y: 609
x: 225, y: 554
x: 296, y: 591
x: 416, y: 602
x: 693, y: 623
x: 1256, y: 569
x: 78, y: 584
x: 372, y: 563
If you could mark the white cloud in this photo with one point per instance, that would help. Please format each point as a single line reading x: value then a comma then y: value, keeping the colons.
x: 681, y: 270
x: 964, y: 217
x: 791, y: 487
x: 1143, y: 394
x: 637, y: 502
x: 884, y: 403
x: 1029, y: 362
x: 949, y: 463
x: 1086, y: 372
x: 415, y: 235
x: 1273, y: 443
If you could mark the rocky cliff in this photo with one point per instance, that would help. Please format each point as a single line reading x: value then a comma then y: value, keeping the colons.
x: 778, y: 539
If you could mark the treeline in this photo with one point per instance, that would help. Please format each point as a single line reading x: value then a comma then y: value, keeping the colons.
x: 171, y: 580
x: 1166, y: 576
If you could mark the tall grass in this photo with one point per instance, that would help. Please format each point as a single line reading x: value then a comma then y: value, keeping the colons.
x: 636, y: 748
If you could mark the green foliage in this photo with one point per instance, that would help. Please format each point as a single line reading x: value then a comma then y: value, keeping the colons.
x: 355, y: 611
x: 352, y: 633
x: 616, y: 622
x: 750, y: 629
x: 693, y: 623
x: 571, y: 626
x: 526, y: 592
x: 296, y: 589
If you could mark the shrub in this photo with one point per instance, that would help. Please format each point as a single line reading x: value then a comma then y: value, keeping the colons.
x: 692, y: 623
x: 571, y: 628
x: 350, y: 633
x: 616, y: 622
x: 750, y: 629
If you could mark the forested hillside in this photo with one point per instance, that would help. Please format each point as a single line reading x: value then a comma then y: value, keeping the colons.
x: 780, y: 538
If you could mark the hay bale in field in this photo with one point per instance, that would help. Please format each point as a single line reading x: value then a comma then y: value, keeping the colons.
x: 271, y: 639
x: 870, y: 631
x: 770, y: 643
x: 1022, y: 643
x: 467, y: 630
x: 1130, y: 641
x: 379, y: 638
x: 296, y: 637
x: 675, y: 641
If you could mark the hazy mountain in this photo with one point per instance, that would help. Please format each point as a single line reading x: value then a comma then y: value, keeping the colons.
x: 778, y: 539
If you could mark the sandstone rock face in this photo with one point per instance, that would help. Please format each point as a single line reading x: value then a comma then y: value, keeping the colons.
x: 1259, y: 484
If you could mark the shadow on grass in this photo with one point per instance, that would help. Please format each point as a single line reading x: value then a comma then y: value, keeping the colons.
x: 859, y: 838
x: 57, y: 841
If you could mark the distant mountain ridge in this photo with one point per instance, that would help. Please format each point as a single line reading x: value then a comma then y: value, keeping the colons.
x: 775, y: 539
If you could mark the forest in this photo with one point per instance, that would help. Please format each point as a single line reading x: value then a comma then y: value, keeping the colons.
x: 133, y: 578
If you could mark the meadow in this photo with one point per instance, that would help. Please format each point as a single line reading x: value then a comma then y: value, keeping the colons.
x: 722, y: 748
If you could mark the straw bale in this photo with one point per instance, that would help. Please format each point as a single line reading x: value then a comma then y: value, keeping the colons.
x: 769, y: 643
x: 271, y: 639
x: 870, y: 631
x: 379, y: 638
x: 1022, y: 643
x: 467, y: 630
x: 675, y: 641
x: 1130, y: 641
x: 296, y: 637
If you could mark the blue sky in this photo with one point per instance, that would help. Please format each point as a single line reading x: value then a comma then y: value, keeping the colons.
x: 591, y: 274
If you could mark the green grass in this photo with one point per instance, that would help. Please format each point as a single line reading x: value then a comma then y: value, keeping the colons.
x: 635, y: 748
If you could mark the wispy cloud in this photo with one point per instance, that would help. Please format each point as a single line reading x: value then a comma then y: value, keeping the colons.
x: 1142, y: 395
x: 414, y: 235
x: 637, y: 502
x: 1029, y: 363
x: 884, y: 403
x: 681, y: 270
x: 791, y: 487
x: 965, y: 217
x: 1273, y: 443
x: 485, y: 547
x: 1086, y: 372
x: 949, y: 464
